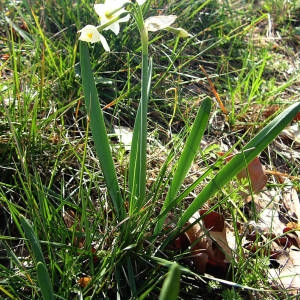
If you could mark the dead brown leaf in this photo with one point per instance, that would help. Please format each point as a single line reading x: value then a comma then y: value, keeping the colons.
x: 270, y: 110
x: 291, y: 202
x: 256, y: 173
x: 297, y: 117
x: 84, y: 281
x: 276, y: 236
x: 292, y: 132
x: 206, y: 234
x: 71, y: 219
x: 288, y: 274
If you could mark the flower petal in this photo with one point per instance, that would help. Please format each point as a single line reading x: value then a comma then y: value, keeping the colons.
x: 110, y: 10
x: 89, y: 34
x: 104, y: 43
x: 140, y: 2
x: 159, y: 22
x: 114, y: 27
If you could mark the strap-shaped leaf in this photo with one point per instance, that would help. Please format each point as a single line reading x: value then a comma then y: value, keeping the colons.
x: 33, y: 240
x: 99, y: 131
x: 44, y: 282
x: 137, y: 165
x: 42, y: 272
x: 241, y: 160
x: 187, y: 156
x: 170, y: 288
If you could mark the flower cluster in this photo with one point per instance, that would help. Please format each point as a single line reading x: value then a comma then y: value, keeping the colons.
x: 110, y: 14
x: 113, y: 12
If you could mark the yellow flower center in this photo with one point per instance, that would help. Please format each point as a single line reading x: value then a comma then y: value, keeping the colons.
x: 90, y: 35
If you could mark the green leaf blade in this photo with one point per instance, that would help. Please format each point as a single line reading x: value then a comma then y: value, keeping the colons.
x: 137, y: 165
x: 241, y: 160
x: 186, y: 158
x: 171, y: 285
x: 99, y: 132
x: 33, y: 239
x: 44, y: 282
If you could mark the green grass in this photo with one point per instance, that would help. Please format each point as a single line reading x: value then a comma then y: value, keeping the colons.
x: 55, y: 206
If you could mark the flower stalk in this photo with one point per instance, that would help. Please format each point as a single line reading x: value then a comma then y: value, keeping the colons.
x: 137, y: 165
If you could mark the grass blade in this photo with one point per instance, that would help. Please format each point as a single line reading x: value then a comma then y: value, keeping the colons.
x: 185, y: 161
x: 99, y: 131
x: 6, y: 292
x: 241, y: 160
x: 44, y: 282
x: 34, y: 242
x: 42, y: 272
x: 170, y: 288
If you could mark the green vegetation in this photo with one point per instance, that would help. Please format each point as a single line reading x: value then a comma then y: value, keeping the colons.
x: 84, y: 215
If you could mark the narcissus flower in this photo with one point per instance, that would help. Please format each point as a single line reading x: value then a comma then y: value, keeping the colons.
x: 140, y: 2
x: 90, y: 34
x: 163, y: 22
x: 110, y: 10
x: 159, y: 22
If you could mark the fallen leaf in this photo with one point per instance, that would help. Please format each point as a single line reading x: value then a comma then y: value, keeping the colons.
x: 291, y: 201
x: 256, y: 173
x: 292, y: 132
x: 287, y: 151
x: 72, y: 220
x: 265, y: 208
x: 5, y: 56
x: 215, y: 224
x: 84, y: 281
x: 288, y: 274
x: 271, y: 110
x: 206, y: 234
x: 297, y: 117
x: 293, y: 225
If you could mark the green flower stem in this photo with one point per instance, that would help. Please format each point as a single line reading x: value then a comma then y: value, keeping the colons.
x: 137, y: 165
x: 102, y: 27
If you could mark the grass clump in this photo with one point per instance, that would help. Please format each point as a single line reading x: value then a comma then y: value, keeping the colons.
x: 92, y: 219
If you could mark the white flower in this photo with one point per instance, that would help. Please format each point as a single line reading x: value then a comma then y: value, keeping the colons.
x: 140, y: 2
x: 90, y: 34
x: 159, y: 22
x: 110, y: 10
x: 179, y: 31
